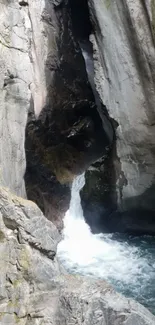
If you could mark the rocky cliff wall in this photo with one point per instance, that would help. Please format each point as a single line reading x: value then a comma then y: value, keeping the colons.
x: 26, y: 29
x: 124, y: 58
x: 34, y: 289
x: 44, y: 81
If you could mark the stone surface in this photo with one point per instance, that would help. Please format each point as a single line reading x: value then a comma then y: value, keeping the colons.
x: 29, y: 60
x: 28, y: 265
x: 25, y: 34
x: 35, y: 290
x: 98, y: 195
x: 124, y: 58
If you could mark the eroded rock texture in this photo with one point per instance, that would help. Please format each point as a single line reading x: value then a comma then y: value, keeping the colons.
x: 124, y: 57
x: 28, y: 59
x: 34, y: 290
x: 25, y: 33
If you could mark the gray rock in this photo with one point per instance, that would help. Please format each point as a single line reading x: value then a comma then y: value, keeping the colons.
x: 124, y: 58
x: 23, y: 55
x: 34, y: 289
x: 57, y: 3
x: 28, y: 265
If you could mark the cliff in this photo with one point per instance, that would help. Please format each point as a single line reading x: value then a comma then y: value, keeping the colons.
x: 25, y: 31
x: 34, y: 288
x: 124, y: 58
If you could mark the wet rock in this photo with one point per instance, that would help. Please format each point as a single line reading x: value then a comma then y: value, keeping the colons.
x: 98, y: 194
x: 133, y: 222
x: 35, y: 290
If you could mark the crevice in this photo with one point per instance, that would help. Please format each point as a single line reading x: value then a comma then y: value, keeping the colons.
x: 99, y: 194
x: 69, y: 134
x: 82, y: 32
x: 23, y: 3
x: 49, y: 253
x: 12, y: 47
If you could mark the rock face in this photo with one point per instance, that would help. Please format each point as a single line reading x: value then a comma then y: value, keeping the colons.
x: 43, y: 78
x: 28, y: 246
x: 23, y: 55
x: 34, y: 290
x: 98, y: 196
x: 124, y: 58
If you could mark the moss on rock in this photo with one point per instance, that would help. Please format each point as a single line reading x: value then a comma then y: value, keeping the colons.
x: 64, y: 161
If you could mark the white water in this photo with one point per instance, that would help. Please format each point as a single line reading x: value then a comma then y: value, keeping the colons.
x: 123, y: 263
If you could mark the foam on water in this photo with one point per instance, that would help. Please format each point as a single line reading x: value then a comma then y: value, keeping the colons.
x: 126, y: 263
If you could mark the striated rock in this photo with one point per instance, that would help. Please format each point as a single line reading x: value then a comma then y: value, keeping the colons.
x: 34, y: 289
x: 44, y: 80
x: 27, y: 267
x: 124, y: 58
x: 25, y: 33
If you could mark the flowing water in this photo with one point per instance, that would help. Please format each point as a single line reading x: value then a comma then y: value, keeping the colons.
x: 127, y: 262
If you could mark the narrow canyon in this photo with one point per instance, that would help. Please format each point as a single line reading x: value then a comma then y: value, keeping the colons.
x: 77, y: 162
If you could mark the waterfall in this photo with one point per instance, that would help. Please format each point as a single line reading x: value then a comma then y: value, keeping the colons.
x: 76, y: 232
x: 127, y: 263
x: 75, y: 209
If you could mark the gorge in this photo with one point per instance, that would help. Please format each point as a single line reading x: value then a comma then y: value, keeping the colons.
x: 77, y: 155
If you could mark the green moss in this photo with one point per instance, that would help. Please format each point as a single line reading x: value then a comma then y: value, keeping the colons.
x: 63, y: 161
